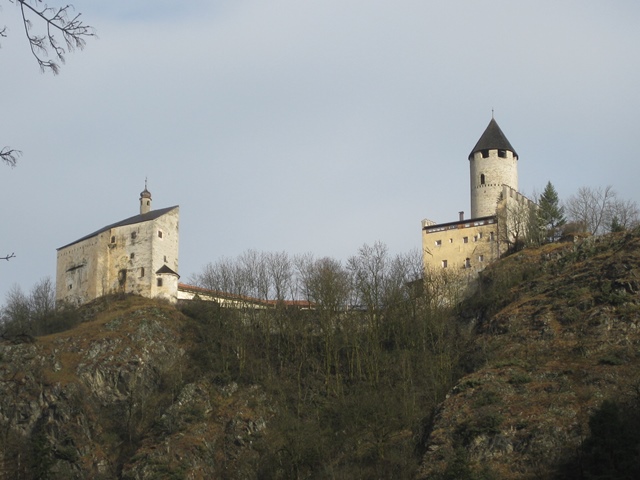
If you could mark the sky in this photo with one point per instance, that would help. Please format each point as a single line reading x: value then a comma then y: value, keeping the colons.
x: 306, y: 126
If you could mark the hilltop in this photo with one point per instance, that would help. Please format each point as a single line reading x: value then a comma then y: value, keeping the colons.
x: 556, y: 338
x: 510, y: 383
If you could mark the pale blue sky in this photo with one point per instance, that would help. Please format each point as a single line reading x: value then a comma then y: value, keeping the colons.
x: 307, y: 126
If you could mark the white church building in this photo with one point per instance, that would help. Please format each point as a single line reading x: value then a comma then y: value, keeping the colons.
x: 136, y: 255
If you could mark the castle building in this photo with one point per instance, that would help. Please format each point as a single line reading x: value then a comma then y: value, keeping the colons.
x: 136, y: 255
x: 499, y: 213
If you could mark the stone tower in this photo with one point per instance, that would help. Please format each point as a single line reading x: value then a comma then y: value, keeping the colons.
x: 492, y: 163
x: 145, y: 200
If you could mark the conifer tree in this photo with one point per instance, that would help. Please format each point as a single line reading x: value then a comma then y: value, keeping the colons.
x: 550, y: 213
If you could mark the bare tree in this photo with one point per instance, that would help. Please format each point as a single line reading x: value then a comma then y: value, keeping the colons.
x: 280, y: 271
x: 517, y: 218
x: 623, y: 213
x: 596, y: 209
x: 324, y: 282
x: 46, y: 45
x: 10, y: 156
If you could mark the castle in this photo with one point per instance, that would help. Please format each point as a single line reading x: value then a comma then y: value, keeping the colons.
x: 140, y: 254
x: 500, y: 215
x: 136, y: 255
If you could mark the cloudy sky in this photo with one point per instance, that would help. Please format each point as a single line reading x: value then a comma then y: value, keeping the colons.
x: 306, y: 126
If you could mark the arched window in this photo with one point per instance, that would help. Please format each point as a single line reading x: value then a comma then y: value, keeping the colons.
x: 482, y: 179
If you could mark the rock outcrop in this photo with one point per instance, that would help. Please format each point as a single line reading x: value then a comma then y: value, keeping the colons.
x: 561, y: 336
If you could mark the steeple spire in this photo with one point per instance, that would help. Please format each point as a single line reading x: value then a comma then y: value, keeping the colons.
x: 145, y: 199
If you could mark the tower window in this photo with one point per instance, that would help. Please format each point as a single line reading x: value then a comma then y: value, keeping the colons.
x: 113, y: 239
x: 159, y: 282
x: 482, y: 179
x: 481, y: 258
x: 141, y: 272
x: 438, y: 243
x: 467, y: 263
x: 134, y: 235
x: 444, y: 264
x: 502, y: 153
x: 159, y: 233
x: 491, y: 236
x: 465, y: 240
x: 132, y: 256
x: 485, y: 153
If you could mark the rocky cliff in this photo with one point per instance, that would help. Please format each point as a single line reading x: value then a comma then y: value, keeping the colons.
x: 115, y: 398
x: 141, y: 390
x: 557, y: 335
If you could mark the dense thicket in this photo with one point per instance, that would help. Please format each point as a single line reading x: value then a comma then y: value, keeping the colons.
x: 351, y: 382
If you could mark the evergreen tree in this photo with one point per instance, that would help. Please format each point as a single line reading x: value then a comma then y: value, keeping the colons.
x: 616, y: 226
x: 550, y: 213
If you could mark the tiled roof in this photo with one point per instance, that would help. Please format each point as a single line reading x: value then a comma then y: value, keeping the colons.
x: 144, y: 217
x: 492, y: 139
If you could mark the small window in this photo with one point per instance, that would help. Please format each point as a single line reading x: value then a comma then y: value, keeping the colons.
x: 479, y: 235
x: 467, y: 263
x: 491, y: 237
x: 165, y: 259
x: 132, y: 256
x: 481, y: 258
x: 159, y: 282
x: 444, y: 264
x: 70, y: 286
x: 134, y: 235
x: 141, y: 272
x: 465, y: 240
x: 113, y: 239
x: 485, y: 153
x: 502, y: 153
x: 438, y: 243
x: 451, y: 240
x: 159, y: 233
x: 482, y: 179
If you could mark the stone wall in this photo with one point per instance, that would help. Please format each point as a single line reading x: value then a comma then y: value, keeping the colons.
x: 488, y: 175
x: 122, y: 259
x: 467, y: 245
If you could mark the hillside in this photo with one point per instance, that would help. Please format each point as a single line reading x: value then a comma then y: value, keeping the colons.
x: 115, y: 394
x: 557, y: 335
x: 509, y: 384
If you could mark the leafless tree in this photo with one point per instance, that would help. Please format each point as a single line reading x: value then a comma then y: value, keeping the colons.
x: 281, y: 275
x: 61, y: 31
x: 596, y: 209
x: 516, y: 218
x: 324, y: 282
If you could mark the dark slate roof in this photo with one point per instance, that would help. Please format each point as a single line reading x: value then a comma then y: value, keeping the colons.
x: 492, y: 139
x: 165, y: 269
x: 143, y: 217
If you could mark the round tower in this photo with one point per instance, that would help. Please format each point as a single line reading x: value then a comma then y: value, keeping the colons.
x: 145, y: 200
x: 492, y: 163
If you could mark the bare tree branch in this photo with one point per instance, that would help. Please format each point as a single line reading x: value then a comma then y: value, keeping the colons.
x: 7, y: 257
x: 10, y: 156
x: 57, y: 21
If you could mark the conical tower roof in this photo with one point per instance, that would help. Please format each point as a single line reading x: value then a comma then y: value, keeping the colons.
x: 492, y: 139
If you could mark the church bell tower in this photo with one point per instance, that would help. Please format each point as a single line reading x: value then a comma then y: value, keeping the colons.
x: 145, y: 200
